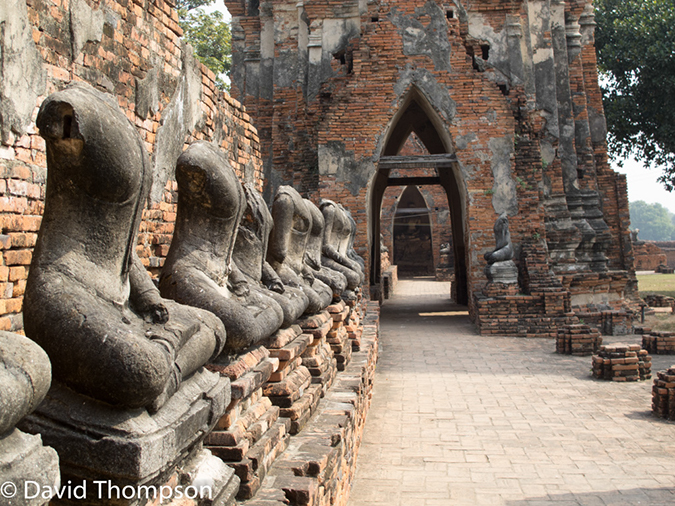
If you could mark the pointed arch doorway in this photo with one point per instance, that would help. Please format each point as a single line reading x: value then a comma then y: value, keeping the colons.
x: 418, y: 116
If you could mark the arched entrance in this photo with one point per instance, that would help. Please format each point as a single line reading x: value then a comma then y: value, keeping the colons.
x: 412, y: 235
x: 417, y: 115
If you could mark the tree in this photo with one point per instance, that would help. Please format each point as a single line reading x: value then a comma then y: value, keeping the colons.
x: 208, y: 34
x: 635, y: 40
x: 653, y: 220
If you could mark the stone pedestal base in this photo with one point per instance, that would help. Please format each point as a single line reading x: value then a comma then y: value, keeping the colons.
x: 127, y: 448
x: 622, y: 362
x: 32, y: 469
x: 504, y: 272
x: 250, y: 435
x: 318, y: 357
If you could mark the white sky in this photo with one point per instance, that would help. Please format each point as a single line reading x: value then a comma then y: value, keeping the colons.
x: 219, y: 6
x: 642, y: 183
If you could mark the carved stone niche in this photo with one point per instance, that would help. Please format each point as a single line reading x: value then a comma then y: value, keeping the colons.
x: 131, y: 401
x: 29, y: 467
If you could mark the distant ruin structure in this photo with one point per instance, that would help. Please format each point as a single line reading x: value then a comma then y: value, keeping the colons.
x: 504, y: 98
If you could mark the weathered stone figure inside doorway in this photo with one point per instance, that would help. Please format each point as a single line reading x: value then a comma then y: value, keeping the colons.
x: 501, y: 268
x: 288, y: 243
x: 89, y: 301
x: 199, y: 270
x: 336, y: 231
x: 250, y: 252
x: 334, y: 279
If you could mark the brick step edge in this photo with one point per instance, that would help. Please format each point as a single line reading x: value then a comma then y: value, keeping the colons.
x: 327, y: 447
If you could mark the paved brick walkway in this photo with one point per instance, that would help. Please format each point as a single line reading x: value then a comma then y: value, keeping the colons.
x: 462, y: 419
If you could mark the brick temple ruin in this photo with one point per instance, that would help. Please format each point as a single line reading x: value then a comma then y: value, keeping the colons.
x: 444, y: 127
x: 493, y: 106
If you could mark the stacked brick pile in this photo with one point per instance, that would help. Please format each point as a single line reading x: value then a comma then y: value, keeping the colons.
x: 663, y: 394
x: 290, y: 386
x: 577, y: 339
x: 318, y: 467
x: 622, y: 362
x: 659, y: 342
x: 523, y: 315
x: 611, y: 322
x: 656, y: 300
x: 318, y: 357
x: 337, y: 337
x: 250, y: 435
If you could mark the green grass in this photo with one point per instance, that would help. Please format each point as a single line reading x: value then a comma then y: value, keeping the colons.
x: 663, y: 284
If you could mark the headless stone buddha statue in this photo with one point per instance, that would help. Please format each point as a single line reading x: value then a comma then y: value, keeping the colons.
x: 250, y: 253
x: 89, y: 301
x: 199, y: 270
x: 334, y: 279
x: 288, y: 242
x: 351, y: 252
x: 500, y: 267
x: 336, y: 235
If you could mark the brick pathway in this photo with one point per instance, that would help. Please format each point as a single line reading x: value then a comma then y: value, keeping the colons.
x: 462, y: 419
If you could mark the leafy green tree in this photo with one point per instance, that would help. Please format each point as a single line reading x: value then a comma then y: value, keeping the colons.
x: 208, y: 34
x: 653, y: 220
x: 635, y: 40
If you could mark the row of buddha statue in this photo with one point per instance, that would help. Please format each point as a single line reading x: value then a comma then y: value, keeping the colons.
x: 235, y: 272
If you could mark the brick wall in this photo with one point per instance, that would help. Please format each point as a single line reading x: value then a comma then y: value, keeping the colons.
x: 133, y: 50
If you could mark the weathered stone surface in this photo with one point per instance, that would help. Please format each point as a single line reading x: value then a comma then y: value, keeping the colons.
x: 24, y: 459
x: 181, y: 116
x: 130, y: 447
x: 25, y: 377
x: 23, y: 77
x: 198, y: 269
x: 89, y: 302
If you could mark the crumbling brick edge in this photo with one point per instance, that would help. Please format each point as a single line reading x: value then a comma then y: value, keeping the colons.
x: 320, y: 463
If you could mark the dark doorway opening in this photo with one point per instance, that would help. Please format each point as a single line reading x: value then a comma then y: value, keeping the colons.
x: 412, y: 235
